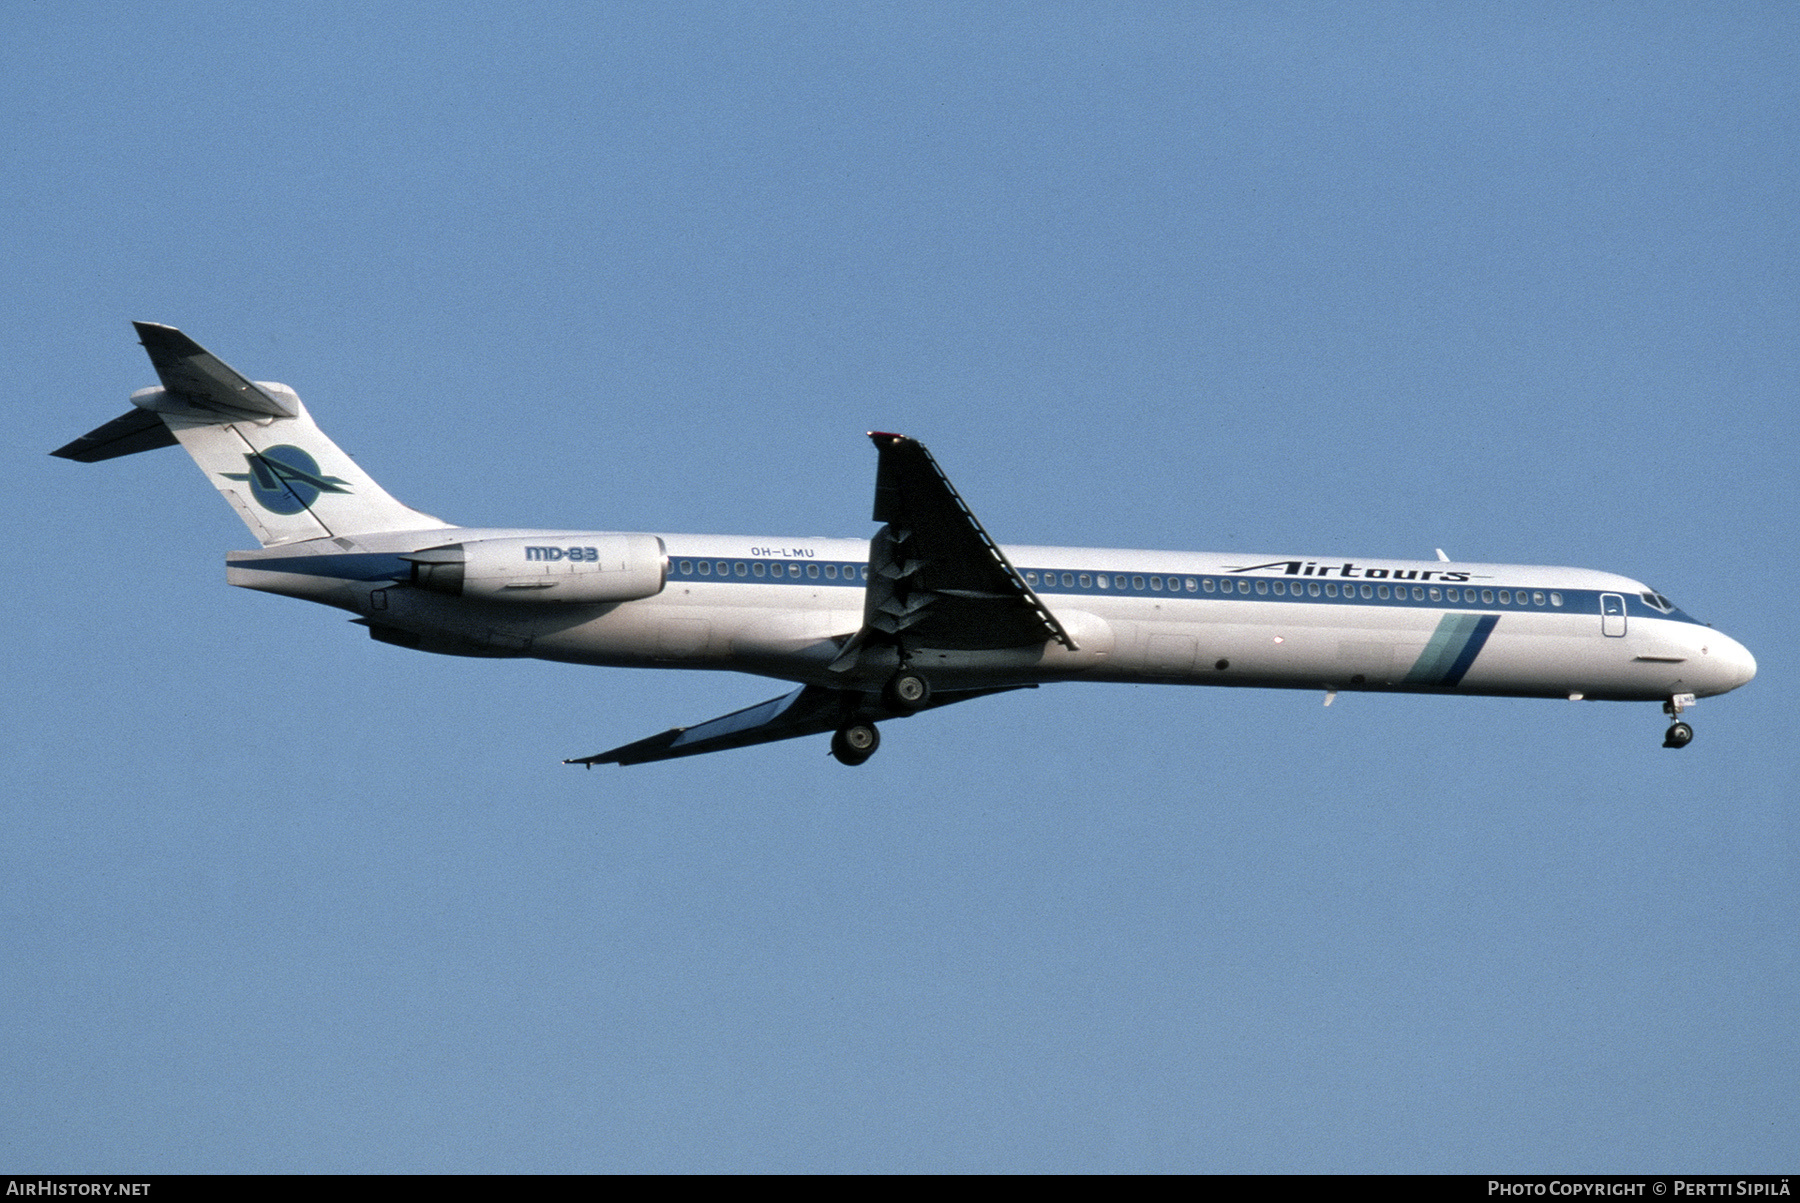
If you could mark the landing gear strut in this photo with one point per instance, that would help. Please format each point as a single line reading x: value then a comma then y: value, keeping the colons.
x: 1679, y: 734
x: 855, y: 743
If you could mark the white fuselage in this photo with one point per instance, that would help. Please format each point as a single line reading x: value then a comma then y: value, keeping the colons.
x: 784, y: 607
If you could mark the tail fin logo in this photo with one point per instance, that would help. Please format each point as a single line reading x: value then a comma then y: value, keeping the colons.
x: 286, y: 480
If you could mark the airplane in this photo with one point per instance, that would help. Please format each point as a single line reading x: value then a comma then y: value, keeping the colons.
x: 929, y: 612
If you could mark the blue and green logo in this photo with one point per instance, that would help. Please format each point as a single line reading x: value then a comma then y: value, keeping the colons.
x: 286, y: 480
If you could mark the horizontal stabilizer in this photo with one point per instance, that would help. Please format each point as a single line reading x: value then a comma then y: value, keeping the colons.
x: 202, y: 379
x: 128, y: 434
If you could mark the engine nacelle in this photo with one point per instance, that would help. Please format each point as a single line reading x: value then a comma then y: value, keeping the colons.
x: 583, y: 568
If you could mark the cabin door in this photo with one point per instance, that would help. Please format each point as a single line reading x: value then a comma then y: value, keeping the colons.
x: 1612, y: 614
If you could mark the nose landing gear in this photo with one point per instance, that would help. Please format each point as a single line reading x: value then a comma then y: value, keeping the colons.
x: 1679, y: 734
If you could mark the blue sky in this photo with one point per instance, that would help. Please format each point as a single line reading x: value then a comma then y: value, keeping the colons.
x: 1358, y: 279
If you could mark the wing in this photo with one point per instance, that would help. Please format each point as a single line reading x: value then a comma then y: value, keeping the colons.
x: 809, y: 710
x: 936, y: 579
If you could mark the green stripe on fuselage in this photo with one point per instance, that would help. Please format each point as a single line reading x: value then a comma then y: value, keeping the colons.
x: 1447, y: 643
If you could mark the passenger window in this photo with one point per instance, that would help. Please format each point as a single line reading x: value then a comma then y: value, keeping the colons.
x: 1367, y: 591
x: 742, y: 569
x: 1556, y: 599
x: 1137, y: 582
x: 1243, y: 586
x: 1280, y: 588
x: 1487, y: 597
x: 1191, y: 584
x: 705, y: 568
x: 1330, y: 588
x: 1537, y: 597
x: 1083, y: 578
x: 1381, y: 592
x: 1312, y: 588
x: 1505, y: 598
x: 812, y: 570
x: 1262, y: 587
x: 1435, y: 594
x: 758, y: 568
x: 1207, y: 584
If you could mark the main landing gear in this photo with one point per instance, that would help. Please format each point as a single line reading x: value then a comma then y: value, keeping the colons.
x: 905, y: 693
x: 855, y: 743
x: 1679, y: 734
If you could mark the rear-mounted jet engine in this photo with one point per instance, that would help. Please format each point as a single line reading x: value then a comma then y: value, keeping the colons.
x: 587, y: 569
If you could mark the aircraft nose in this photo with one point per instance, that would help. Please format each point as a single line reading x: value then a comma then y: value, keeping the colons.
x: 1729, y: 663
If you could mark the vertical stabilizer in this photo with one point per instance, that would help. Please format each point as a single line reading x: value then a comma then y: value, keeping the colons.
x: 255, y: 442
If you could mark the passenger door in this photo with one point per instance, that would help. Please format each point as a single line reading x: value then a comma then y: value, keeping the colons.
x: 1612, y: 614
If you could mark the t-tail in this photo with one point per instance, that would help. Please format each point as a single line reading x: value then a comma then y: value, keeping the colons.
x: 255, y: 442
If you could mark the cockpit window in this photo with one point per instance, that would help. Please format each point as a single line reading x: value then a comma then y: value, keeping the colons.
x: 1658, y: 601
